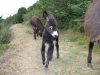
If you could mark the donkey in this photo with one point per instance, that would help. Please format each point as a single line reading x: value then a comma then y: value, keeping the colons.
x: 50, y: 34
x: 37, y: 26
x: 92, y: 27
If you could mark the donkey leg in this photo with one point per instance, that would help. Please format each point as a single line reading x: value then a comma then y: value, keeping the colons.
x: 37, y: 31
x: 48, y: 56
x: 57, y: 48
x: 34, y: 34
x: 91, y: 44
x: 51, y: 52
x: 43, y: 53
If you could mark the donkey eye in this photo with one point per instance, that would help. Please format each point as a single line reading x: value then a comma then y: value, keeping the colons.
x: 51, y: 27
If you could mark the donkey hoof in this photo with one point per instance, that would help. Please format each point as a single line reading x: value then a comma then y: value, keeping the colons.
x: 50, y: 59
x: 58, y: 57
x: 43, y: 63
x: 89, y: 65
x: 46, y: 66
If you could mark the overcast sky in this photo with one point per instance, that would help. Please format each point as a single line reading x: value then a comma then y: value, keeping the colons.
x: 10, y: 7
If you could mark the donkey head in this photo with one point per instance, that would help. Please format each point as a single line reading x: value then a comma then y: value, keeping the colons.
x: 40, y: 32
x: 51, y: 24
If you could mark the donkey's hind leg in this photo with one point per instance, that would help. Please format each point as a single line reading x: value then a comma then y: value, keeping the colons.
x: 91, y: 44
x: 43, y: 53
x: 34, y: 33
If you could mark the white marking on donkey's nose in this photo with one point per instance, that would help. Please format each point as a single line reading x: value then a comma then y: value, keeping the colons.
x: 55, y: 33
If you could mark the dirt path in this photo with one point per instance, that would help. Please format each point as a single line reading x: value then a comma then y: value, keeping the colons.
x: 24, y: 58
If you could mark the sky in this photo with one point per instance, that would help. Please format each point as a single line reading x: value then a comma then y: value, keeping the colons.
x: 10, y: 7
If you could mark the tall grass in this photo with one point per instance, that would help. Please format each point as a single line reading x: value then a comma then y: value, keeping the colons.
x: 5, y: 37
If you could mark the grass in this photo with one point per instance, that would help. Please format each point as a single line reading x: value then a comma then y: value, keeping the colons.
x: 3, y: 48
x: 65, y: 35
x: 78, y: 38
x: 2, y: 73
x: 96, y: 49
x: 72, y: 59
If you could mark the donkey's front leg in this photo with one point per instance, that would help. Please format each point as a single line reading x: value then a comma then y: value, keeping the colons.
x: 43, y: 53
x: 48, y: 55
x: 57, y: 48
x: 51, y: 52
x: 34, y: 33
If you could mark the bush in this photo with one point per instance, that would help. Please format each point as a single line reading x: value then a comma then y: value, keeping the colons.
x: 5, y: 34
x: 3, y: 48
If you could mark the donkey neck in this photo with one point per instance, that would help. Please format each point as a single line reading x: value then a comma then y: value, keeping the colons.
x: 47, y: 33
x: 48, y: 38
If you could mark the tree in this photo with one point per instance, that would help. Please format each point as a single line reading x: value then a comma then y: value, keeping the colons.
x: 20, y: 13
x: 65, y: 11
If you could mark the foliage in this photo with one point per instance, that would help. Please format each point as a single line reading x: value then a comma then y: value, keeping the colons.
x: 5, y: 37
x: 65, y: 11
x: 3, y: 48
x: 5, y: 34
x: 20, y: 13
x: 22, y: 10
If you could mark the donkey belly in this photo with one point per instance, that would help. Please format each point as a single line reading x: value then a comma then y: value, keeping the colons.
x: 54, y: 41
x: 49, y: 41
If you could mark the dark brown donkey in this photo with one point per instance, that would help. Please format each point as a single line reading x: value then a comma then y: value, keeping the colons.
x: 37, y: 26
x: 92, y: 27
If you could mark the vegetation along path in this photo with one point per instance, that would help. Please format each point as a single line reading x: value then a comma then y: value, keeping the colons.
x: 24, y: 57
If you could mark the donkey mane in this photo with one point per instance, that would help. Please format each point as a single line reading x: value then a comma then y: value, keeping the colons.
x: 40, y: 23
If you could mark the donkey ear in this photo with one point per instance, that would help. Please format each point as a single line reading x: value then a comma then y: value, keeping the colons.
x: 45, y: 15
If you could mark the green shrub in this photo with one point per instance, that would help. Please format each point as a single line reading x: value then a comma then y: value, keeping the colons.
x: 3, y: 48
x: 80, y: 27
x: 5, y: 35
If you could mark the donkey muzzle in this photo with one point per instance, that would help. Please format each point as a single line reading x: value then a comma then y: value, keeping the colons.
x: 55, y: 34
